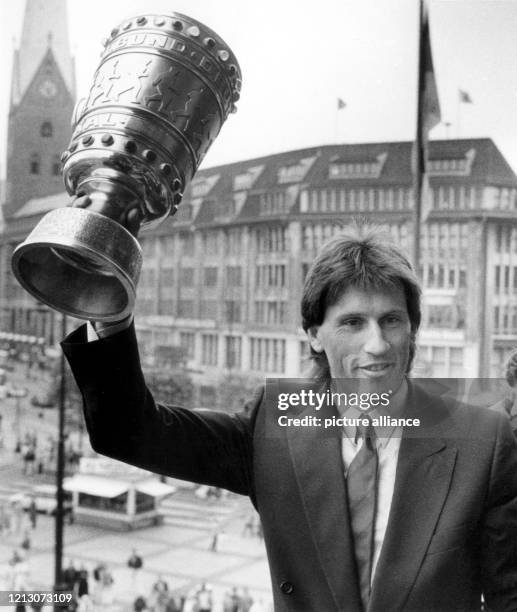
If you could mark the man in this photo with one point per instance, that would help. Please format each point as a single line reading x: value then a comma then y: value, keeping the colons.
x: 353, y: 520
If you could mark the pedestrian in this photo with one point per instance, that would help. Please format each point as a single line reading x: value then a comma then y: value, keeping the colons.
x: 26, y: 542
x: 140, y: 604
x: 69, y: 575
x: 81, y: 582
x: 214, y: 544
x: 29, y: 457
x: 246, y: 600
x: 135, y: 561
x: 33, y: 512
x: 159, y: 595
x: 204, y: 599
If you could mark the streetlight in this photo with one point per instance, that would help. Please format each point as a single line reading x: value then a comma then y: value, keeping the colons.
x: 60, y: 472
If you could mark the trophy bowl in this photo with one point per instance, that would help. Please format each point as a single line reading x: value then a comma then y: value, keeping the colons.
x: 163, y: 89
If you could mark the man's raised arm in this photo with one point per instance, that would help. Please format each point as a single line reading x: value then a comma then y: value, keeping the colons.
x: 125, y: 423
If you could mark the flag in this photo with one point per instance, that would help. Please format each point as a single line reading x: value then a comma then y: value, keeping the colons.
x: 428, y: 116
x: 341, y: 104
x: 464, y: 96
x: 428, y: 103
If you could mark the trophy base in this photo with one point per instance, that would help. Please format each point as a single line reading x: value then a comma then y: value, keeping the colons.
x: 80, y: 263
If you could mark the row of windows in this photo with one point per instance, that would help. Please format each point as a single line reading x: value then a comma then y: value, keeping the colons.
x: 275, y: 203
x: 505, y: 279
x: 440, y: 361
x: 445, y: 240
x: 444, y: 276
x: 315, y: 235
x: 396, y: 198
x: 505, y: 319
x: 347, y: 170
x: 270, y: 312
x: 213, y: 243
x: 270, y: 275
x: 266, y: 354
x: 448, y: 275
x: 271, y: 239
x: 506, y: 239
x: 445, y: 316
x: 355, y: 200
x: 265, y: 312
x: 35, y: 165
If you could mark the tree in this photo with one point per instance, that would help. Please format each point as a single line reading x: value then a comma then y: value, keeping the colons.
x: 235, y: 389
x: 173, y: 387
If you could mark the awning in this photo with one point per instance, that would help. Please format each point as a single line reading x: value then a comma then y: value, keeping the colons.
x: 95, y: 485
x: 155, y: 488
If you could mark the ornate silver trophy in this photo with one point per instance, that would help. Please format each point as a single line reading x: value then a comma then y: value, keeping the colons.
x: 163, y: 89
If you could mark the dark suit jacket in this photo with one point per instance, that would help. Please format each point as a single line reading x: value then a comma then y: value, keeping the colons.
x: 452, y: 531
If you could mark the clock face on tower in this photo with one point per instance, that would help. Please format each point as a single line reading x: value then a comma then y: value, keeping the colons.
x: 48, y: 89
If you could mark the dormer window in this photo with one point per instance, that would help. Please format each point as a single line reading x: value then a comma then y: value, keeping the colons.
x: 246, y: 179
x: 201, y: 186
x: 452, y: 165
x: 296, y: 171
x: 357, y: 168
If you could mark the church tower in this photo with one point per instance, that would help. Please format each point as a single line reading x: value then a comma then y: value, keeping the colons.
x: 42, y: 101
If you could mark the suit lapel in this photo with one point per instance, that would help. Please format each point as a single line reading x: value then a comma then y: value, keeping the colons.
x: 424, y: 471
x: 317, y: 460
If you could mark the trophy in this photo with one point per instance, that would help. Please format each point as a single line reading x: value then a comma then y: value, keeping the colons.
x: 163, y: 89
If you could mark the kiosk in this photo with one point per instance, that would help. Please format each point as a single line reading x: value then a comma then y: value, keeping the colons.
x: 110, y: 494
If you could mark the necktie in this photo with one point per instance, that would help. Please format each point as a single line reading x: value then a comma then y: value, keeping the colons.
x: 361, y: 483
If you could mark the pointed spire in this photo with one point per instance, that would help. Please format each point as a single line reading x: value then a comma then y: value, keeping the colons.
x: 45, y: 25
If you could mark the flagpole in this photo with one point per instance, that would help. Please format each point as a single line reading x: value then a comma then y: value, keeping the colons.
x: 417, y: 182
x: 458, y: 104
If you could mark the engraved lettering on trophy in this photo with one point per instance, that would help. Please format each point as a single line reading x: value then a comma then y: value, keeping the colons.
x: 158, y: 40
x: 131, y: 39
x: 104, y: 120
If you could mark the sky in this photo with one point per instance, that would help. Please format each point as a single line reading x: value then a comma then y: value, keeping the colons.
x: 299, y: 56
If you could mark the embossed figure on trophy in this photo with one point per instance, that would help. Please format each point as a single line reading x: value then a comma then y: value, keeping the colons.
x: 133, y: 83
x: 203, y: 136
x: 165, y: 91
x: 184, y: 112
x: 97, y: 90
x: 112, y: 78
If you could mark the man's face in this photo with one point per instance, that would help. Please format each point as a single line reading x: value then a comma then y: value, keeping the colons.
x: 366, y: 335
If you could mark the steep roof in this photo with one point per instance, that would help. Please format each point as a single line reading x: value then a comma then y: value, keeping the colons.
x: 45, y: 25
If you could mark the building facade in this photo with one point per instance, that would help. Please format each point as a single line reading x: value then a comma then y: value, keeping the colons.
x: 41, y: 104
x: 223, y: 277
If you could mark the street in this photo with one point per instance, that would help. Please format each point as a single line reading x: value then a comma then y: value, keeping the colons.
x: 178, y: 551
